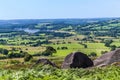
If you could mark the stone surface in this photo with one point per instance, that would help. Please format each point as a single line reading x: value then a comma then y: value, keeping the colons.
x: 44, y: 61
x: 108, y: 58
x: 77, y: 60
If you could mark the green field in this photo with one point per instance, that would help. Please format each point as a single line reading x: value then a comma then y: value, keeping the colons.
x: 92, y: 47
x: 29, y: 49
x: 20, y: 49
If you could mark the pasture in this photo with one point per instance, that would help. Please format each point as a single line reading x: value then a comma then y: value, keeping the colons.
x: 91, y: 47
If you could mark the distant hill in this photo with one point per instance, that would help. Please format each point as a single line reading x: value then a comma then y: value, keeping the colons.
x: 67, y: 21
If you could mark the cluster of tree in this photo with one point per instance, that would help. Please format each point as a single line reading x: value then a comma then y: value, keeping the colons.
x: 39, y: 43
x: 113, y: 47
x: 82, y: 26
x: 25, y: 55
x: 49, y: 51
x: 92, y: 54
x: 13, y: 54
x: 16, y: 55
x: 4, y: 51
x: 62, y: 48
x: 108, y: 44
x: 3, y: 42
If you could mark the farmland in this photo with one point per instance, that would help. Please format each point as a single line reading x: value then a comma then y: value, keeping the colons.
x: 92, y: 47
x: 22, y: 44
x: 84, y: 35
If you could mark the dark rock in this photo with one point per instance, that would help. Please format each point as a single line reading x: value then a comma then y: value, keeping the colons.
x: 77, y: 60
x: 45, y: 62
x: 108, y: 58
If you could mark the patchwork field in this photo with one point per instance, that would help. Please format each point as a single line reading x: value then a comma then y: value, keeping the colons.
x: 21, y: 49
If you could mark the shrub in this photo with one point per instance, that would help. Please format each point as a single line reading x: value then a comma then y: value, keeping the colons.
x: 108, y: 42
x: 14, y: 61
x: 4, y: 51
x: 46, y: 53
x: 49, y: 51
x: 92, y: 54
x: 103, y: 52
x: 15, y: 55
x: 58, y: 48
x: 113, y: 47
x: 27, y: 57
x: 64, y: 48
x: 85, y: 46
x: 3, y: 57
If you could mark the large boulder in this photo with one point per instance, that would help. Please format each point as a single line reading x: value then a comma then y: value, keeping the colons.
x: 44, y: 61
x: 77, y: 60
x: 108, y: 58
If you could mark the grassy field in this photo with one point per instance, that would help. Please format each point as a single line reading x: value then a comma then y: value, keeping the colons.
x: 30, y: 50
x: 92, y: 47
x: 73, y: 46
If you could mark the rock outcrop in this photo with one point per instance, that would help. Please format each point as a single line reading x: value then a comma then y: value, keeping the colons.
x: 77, y: 60
x: 44, y: 61
x: 108, y: 58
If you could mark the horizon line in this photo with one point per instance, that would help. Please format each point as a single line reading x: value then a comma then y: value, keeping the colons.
x: 58, y: 18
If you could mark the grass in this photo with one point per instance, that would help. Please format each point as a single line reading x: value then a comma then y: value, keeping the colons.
x: 72, y: 47
x: 86, y: 51
x: 92, y: 47
x: 96, y: 46
x: 50, y: 73
x: 116, y: 43
x: 29, y: 49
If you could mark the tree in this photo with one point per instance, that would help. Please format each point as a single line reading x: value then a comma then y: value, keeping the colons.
x: 85, y: 46
x: 49, y: 51
x: 64, y: 48
x: 113, y: 47
x: 108, y: 42
x: 4, y: 51
x: 92, y: 54
x: 58, y: 48
x: 17, y: 55
x: 27, y: 57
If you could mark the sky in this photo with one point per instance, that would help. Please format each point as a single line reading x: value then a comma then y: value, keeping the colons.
x: 54, y: 9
